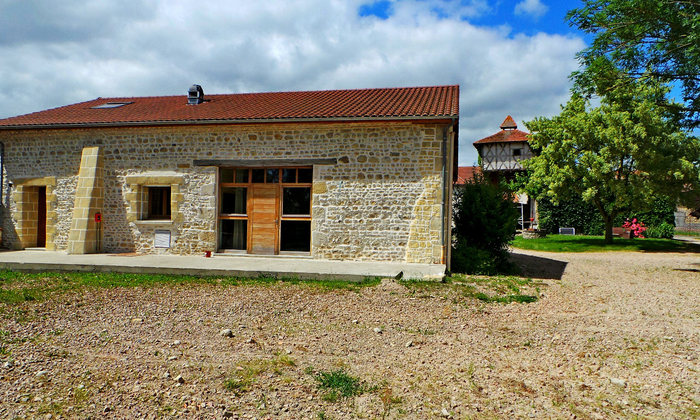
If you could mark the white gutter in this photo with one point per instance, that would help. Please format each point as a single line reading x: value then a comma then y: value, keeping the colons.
x: 446, y: 237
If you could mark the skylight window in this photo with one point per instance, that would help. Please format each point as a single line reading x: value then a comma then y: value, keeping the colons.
x: 111, y: 105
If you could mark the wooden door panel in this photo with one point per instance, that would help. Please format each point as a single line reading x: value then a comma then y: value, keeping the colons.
x: 263, y: 229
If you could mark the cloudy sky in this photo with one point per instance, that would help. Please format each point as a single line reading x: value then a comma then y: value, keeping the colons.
x: 510, y: 57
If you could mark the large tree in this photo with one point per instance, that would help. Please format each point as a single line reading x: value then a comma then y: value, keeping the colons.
x: 642, y: 38
x: 618, y: 156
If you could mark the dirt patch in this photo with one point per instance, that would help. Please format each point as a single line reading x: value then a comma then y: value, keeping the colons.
x: 616, y: 335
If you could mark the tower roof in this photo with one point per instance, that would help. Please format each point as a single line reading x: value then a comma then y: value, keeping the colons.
x: 509, y: 124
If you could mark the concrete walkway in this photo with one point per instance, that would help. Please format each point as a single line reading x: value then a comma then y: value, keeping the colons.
x: 217, y: 265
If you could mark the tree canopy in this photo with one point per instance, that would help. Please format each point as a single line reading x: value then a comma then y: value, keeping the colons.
x: 642, y: 38
x: 617, y: 156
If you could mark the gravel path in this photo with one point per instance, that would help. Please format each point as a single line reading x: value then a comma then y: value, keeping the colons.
x: 614, y: 335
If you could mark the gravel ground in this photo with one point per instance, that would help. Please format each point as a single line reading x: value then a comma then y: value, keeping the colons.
x: 614, y: 335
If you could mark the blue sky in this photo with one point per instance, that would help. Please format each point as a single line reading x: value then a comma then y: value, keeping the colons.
x: 523, y: 17
x: 509, y: 57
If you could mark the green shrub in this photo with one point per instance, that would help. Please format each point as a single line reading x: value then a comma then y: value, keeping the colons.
x: 574, y: 212
x: 485, y: 220
x: 584, y: 216
x: 663, y: 231
x: 470, y: 260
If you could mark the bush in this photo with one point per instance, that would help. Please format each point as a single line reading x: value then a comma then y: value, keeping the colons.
x: 661, y: 211
x: 586, y: 218
x: 470, y: 260
x: 663, y: 231
x: 573, y: 212
x: 485, y: 220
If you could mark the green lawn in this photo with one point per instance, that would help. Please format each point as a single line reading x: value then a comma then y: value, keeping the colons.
x: 580, y: 243
x: 17, y: 287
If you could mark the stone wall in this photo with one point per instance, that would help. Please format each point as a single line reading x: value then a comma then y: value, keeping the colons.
x: 381, y: 201
x: 686, y: 222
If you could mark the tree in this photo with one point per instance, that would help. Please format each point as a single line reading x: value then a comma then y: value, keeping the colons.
x: 618, y: 156
x: 485, y: 220
x: 642, y: 38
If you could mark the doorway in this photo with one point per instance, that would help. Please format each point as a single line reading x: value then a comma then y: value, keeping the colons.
x: 41, y: 218
x: 265, y: 211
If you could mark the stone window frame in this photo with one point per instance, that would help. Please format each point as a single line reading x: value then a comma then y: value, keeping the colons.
x: 24, y: 226
x: 137, y: 197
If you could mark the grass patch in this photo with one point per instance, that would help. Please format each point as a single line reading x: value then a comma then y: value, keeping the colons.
x: 580, y: 243
x: 499, y: 289
x: 687, y: 232
x: 488, y: 289
x: 242, y: 379
x: 340, y: 384
x: 17, y: 288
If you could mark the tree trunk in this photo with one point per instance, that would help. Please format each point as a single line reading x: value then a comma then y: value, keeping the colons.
x: 608, y: 229
x: 608, y: 219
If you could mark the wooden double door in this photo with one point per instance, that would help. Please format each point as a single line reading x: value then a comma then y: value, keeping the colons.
x: 265, y: 211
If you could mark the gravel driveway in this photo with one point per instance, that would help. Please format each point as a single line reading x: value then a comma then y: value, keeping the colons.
x: 613, y: 335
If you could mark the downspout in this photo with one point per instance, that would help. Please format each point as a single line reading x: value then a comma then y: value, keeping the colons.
x: 446, y: 241
x: 2, y: 188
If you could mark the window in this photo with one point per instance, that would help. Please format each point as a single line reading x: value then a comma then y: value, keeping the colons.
x: 154, y: 198
x: 159, y: 203
x: 517, y: 152
x: 233, y: 200
x: 296, y: 201
x: 265, y: 208
x: 295, y: 235
x: 234, y: 234
x: 295, y: 223
x: 233, y: 208
x: 111, y: 105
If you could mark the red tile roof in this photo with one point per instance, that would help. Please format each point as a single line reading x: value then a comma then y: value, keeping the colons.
x: 508, y: 133
x: 505, y: 136
x: 466, y: 173
x: 416, y: 102
x: 509, y: 123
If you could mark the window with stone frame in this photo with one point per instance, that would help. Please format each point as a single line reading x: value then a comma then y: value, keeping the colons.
x: 154, y: 197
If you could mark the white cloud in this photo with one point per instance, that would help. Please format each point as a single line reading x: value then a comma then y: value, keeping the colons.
x: 164, y: 47
x: 531, y: 7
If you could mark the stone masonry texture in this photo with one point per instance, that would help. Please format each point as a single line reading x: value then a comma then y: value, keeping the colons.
x: 381, y: 201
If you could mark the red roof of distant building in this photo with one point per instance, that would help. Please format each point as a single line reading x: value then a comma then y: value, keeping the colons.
x: 414, y: 102
x: 508, y: 133
x: 509, y: 123
x: 466, y: 173
x: 505, y: 136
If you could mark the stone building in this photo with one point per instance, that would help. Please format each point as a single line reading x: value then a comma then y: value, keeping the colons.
x: 501, y: 156
x: 338, y: 175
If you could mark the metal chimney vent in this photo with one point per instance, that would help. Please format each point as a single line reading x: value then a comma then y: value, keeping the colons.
x: 195, y: 95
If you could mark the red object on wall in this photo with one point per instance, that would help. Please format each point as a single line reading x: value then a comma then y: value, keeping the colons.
x: 98, y: 217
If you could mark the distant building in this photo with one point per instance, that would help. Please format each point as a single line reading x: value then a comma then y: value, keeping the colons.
x: 501, y: 157
x: 502, y: 153
x: 466, y: 174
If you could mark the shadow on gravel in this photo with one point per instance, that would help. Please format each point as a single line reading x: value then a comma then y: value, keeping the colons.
x: 538, y: 267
